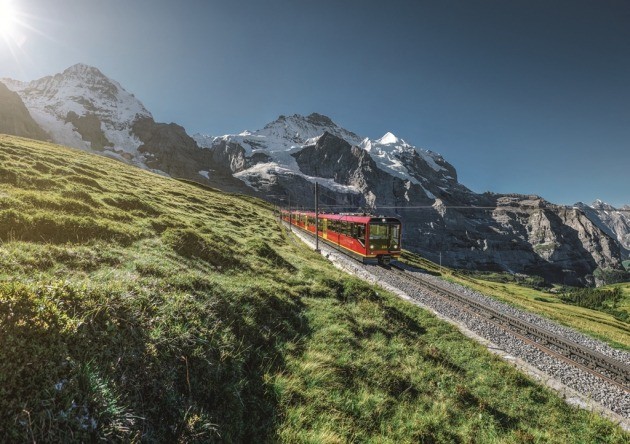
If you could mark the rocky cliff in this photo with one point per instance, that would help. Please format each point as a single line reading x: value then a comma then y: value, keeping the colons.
x: 613, y: 221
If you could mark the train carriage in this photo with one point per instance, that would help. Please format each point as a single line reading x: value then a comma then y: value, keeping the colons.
x: 364, y: 237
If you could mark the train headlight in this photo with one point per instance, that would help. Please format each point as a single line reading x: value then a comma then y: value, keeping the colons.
x: 371, y: 247
x: 395, y: 245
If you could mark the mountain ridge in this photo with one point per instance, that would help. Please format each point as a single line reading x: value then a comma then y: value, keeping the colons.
x: 83, y: 108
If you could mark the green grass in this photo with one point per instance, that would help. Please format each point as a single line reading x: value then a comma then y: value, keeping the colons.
x: 596, y: 323
x: 139, y: 308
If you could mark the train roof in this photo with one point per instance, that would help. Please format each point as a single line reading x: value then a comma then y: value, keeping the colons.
x: 356, y: 218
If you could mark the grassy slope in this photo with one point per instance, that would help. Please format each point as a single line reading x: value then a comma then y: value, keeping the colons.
x: 138, y: 307
x: 592, y: 322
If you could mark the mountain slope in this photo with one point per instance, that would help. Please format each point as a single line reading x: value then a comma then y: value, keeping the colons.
x: 15, y: 118
x: 134, y: 307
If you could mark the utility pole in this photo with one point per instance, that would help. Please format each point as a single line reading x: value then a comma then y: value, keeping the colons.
x: 316, y: 217
x: 290, y: 215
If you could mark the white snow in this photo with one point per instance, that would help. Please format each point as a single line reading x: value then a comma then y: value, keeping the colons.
x: 388, y: 139
x: 388, y: 151
x: 267, y: 171
x: 288, y: 135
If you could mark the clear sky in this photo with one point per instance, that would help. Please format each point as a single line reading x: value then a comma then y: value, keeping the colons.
x: 522, y: 96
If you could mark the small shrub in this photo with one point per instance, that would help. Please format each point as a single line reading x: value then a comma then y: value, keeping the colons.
x: 85, y: 181
x: 131, y: 203
x: 262, y: 249
x: 541, y: 299
x: 191, y: 244
x: 610, y: 276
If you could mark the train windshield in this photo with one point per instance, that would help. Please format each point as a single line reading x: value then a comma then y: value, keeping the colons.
x: 385, y: 236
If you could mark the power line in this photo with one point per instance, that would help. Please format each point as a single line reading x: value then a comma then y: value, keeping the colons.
x: 467, y: 207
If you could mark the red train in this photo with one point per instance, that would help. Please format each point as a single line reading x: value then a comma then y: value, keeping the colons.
x: 366, y: 238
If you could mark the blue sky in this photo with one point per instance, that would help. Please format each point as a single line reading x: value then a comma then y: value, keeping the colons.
x: 528, y: 96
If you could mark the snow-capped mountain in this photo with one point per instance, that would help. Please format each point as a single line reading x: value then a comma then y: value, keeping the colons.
x: 83, y: 108
x: 281, y: 162
x: 272, y: 150
x: 283, y: 134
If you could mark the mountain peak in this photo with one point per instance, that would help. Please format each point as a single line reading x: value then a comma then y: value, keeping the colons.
x: 83, y: 108
x: 82, y: 70
x: 315, y: 119
x: 320, y: 119
x: 601, y: 205
x: 388, y: 139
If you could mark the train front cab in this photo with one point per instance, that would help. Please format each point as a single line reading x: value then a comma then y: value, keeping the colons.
x: 384, y: 235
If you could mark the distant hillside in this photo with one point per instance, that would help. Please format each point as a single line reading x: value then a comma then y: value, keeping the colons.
x: 135, y: 307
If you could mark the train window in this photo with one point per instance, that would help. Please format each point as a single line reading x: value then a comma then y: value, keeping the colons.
x: 395, y: 234
x: 378, y: 231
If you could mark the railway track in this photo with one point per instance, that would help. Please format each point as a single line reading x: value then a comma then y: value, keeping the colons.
x: 594, y: 374
x: 591, y: 361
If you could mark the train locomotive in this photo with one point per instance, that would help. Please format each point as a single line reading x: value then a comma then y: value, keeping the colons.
x: 367, y: 238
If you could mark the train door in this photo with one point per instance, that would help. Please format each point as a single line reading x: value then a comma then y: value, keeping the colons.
x: 322, y: 227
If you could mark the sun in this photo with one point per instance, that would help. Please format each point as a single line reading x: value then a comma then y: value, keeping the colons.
x: 8, y: 18
x: 13, y: 26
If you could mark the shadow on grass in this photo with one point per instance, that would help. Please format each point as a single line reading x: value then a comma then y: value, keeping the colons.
x: 87, y: 365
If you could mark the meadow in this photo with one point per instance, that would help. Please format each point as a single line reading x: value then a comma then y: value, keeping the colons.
x: 135, y: 307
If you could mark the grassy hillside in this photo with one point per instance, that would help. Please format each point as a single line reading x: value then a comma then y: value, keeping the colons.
x: 596, y: 323
x: 135, y: 307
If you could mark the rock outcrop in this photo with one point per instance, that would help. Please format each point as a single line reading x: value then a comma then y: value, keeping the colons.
x: 15, y: 118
